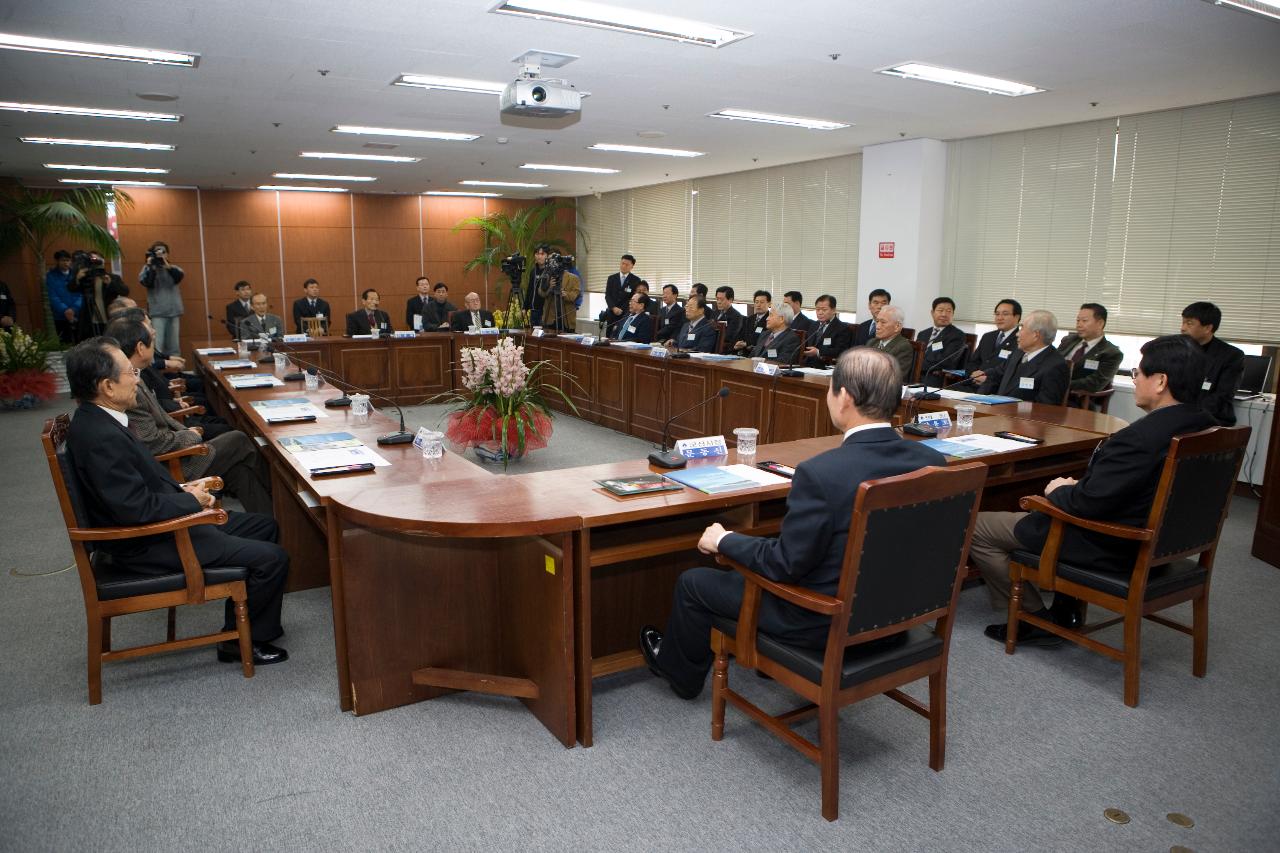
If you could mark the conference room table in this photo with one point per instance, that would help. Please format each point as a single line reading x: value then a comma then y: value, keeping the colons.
x: 447, y: 575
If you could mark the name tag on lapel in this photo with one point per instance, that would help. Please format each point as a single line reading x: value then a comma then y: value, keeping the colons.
x: 1004, y: 353
x: 1090, y: 364
x: 1026, y: 383
x: 935, y: 346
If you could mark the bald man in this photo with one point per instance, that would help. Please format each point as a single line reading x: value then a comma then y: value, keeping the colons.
x: 471, y: 315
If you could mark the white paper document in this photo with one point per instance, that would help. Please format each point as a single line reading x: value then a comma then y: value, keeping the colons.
x: 215, y: 351
x: 287, y: 410
x: 756, y: 475
x: 233, y: 364
x: 253, y: 380
x: 313, y: 459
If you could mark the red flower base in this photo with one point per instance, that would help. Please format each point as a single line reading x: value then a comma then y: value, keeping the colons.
x: 32, y: 382
x: 480, y: 428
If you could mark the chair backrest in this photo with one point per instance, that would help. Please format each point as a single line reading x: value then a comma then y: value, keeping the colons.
x: 886, y: 580
x: 970, y: 341
x: 1195, y: 491
x: 917, y: 362
x: 70, y: 498
x: 312, y: 326
x: 722, y: 333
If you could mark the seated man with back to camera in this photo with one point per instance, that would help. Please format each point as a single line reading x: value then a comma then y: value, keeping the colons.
x: 698, y: 334
x: 1035, y: 372
x: 124, y: 486
x: 779, y: 342
x: 861, y: 400
x: 1118, y: 486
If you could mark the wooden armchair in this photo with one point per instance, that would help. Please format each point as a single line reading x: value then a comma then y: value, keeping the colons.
x: 1087, y: 399
x: 722, y: 335
x: 879, y: 639
x: 917, y: 363
x: 174, y: 458
x: 110, y: 589
x: 313, y: 327
x: 1185, y: 521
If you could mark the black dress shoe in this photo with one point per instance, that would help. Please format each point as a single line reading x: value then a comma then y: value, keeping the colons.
x: 1028, y: 635
x: 1066, y: 611
x: 650, y: 643
x: 264, y: 654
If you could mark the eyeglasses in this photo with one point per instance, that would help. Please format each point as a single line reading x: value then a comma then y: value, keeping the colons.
x: 136, y: 372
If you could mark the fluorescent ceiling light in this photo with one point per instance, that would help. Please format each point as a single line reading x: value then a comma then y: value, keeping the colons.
x: 416, y: 134
x: 304, y: 176
x: 109, y: 182
x: 98, y: 51
x: 643, y: 149
x: 96, y: 143
x: 550, y: 167
x: 380, y: 158
x: 140, y: 170
x: 472, y: 195
x: 1266, y: 8
x: 625, y: 20
x: 283, y: 188
x: 772, y: 118
x: 87, y: 111
x: 963, y: 79
x: 449, y: 84
x: 516, y: 184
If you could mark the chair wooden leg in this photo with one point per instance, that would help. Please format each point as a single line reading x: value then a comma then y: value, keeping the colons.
x: 719, y: 682
x: 937, y: 720
x: 106, y: 633
x: 173, y: 624
x: 1015, y: 606
x: 246, y: 643
x: 1199, y: 634
x: 95, y: 660
x: 1132, y: 657
x: 829, y: 759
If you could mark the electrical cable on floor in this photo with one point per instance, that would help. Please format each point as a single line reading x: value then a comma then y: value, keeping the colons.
x: 20, y: 573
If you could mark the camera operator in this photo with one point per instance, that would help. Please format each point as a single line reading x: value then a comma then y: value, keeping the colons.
x: 164, y: 302
x: 534, y: 291
x: 65, y: 304
x: 559, y: 314
x: 98, y: 287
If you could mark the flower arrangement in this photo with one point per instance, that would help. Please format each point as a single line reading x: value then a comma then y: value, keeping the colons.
x: 514, y: 317
x: 504, y: 407
x: 24, y: 375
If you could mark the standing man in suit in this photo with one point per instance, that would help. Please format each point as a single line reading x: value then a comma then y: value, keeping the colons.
x: 995, y: 347
x: 801, y: 323
x: 761, y: 305
x: 1036, y: 372
x: 942, y: 342
x: 618, y: 290
x: 240, y: 307
x: 865, y: 332
x: 435, y: 317
x: 778, y: 342
x: 698, y: 334
x: 364, y: 320
x: 1094, y: 360
x: 1118, y: 486
x: 1224, y: 364
x: 831, y: 335
x: 124, y: 486
x: 889, y: 339
x: 260, y: 324
x: 638, y: 326
x: 861, y: 400
x: 670, y: 314
x: 724, y: 310
x: 311, y: 305
x: 416, y: 307
x: 472, y: 315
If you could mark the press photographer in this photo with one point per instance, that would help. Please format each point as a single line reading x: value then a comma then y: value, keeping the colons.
x: 558, y: 289
x: 164, y: 301
x: 99, y: 288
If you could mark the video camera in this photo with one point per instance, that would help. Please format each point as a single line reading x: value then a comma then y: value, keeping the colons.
x: 556, y: 265
x: 513, y: 266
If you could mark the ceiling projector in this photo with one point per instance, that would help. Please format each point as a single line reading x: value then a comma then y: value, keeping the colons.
x: 534, y: 96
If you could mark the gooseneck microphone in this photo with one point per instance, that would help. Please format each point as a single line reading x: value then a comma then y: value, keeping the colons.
x: 669, y: 458
x: 926, y: 394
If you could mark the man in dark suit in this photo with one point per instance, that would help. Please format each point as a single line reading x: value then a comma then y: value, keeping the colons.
x: 364, y: 320
x: 997, y: 345
x: 436, y: 316
x: 942, y: 342
x: 240, y: 307
x: 416, y: 307
x: 831, y: 335
x: 761, y: 305
x: 122, y: 485
x: 861, y: 400
x: 638, y: 326
x: 778, y: 342
x: 1224, y: 364
x: 618, y: 289
x: 670, y: 314
x: 865, y: 332
x: 725, y: 311
x: 472, y: 315
x: 799, y: 322
x: 1036, y: 372
x: 311, y: 305
x: 1118, y: 486
x: 1094, y: 360
x: 698, y: 334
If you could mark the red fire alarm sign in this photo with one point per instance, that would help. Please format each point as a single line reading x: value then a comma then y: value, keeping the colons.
x: 886, y: 250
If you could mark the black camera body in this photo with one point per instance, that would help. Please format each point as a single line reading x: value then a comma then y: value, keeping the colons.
x: 513, y: 266
x: 557, y: 264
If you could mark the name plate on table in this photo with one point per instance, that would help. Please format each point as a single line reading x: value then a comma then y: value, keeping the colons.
x: 539, y: 332
x: 702, y: 448
x: 937, y: 420
x: 766, y: 368
x: 658, y: 352
x: 487, y: 330
x: 294, y: 339
x: 420, y: 438
x: 587, y: 340
x: 404, y: 334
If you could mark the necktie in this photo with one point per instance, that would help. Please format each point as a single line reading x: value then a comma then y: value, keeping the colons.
x: 369, y: 314
x: 313, y: 304
x: 818, y: 337
x: 1000, y: 339
x: 1078, y: 355
x: 475, y: 319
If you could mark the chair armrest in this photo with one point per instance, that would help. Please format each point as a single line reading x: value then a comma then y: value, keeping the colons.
x: 179, y: 414
x: 211, y: 484
x: 814, y: 602
x: 102, y: 534
x: 1039, y: 503
x: 193, y: 450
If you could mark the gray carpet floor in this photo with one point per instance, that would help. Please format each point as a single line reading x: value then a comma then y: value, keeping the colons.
x: 186, y: 754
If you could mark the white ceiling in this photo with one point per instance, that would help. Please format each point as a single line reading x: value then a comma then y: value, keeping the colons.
x: 259, y: 67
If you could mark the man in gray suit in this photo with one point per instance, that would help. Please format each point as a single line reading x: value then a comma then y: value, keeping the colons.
x: 1036, y: 372
x: 778, y: 342
x: 260, y: 323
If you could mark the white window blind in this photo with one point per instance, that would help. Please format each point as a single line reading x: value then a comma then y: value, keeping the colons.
x: 659, y: 234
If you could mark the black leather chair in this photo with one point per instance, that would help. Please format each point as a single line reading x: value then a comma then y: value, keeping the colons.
x: 880, y: 637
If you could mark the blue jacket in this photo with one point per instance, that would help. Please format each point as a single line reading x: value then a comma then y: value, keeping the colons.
x: 56, y: 281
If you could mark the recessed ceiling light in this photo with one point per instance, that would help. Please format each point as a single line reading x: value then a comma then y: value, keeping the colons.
x: 380, y: 158
x: 141, y: 170
x: 111, y: 183
x: 472, y: 195
x: 125, y: 53
x: 304, y: 176
x: 416, y: 134
x: 963, y: 79
x: 643, y: 149
x: 516, y: 184
x: 1266, y: 8
x: 625, y: 20
x: 772, y: 118
x: 96, y: 143
x: 449, y: 84
x: 549, y: 167
x: 87, y: 111
x: 161, y: 97
x: 283, y: 188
